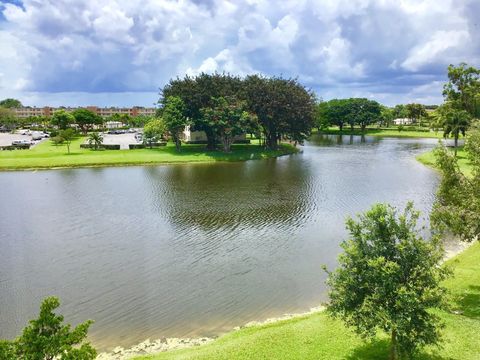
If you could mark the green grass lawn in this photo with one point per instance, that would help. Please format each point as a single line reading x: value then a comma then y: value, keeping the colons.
x: 428, y: 158
x: 320, y: 337
x: 390, y: 132
x: 46, y: 155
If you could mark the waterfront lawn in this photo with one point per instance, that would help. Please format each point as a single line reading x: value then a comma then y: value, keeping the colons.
x: 388, y: 132
x: 428, y: 158
x: 47, y: 155
x: 320, y: 337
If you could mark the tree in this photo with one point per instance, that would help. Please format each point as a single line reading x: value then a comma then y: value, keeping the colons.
x: 47, y: 338
x: 62, y: 119
x: 86, y: 119
x: 415, y: 111
x: 388, y: 279
x: 228, y: 118
x: 454, y: 122
x: 174, y: 118
x: 463, y: 88
x: 8, y: 120
x: 284, y: 108
x: 457, y: 204
x: 67, y: 136
x: 363, y: 112
x: 386, y: 115
x: 95, y: 139
x: 197, y: 93
x: 400, y: 111
x: 154, y: 130
x: 10, y: 103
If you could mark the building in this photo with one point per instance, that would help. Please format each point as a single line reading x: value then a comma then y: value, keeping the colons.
x: 402, y: 121
x: 105, y: 112
x: 200, y: 137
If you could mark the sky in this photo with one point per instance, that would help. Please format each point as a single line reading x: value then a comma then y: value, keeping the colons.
x: 120, y: 52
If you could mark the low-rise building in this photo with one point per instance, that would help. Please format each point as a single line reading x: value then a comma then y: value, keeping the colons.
x: 105, y: 112
x: 402, y: 121
x: 190, y: 135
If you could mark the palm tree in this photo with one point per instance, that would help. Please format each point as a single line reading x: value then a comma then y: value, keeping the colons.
x: 455, y: 122
x: 95, y: 139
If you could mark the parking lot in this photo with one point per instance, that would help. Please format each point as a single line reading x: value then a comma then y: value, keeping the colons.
x: 122, y: 139
x: 7, y: 138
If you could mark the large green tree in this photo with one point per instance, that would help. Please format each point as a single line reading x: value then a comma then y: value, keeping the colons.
x: 66, y: 137
x: 197, y: 93
x: 363, y: 112
x: 47, y: 338
x: 389, y: 279
x: 86, y: 119
x: 62, y: 119
x: 175, y: 119
x: 228, y: 118
x: 284, y: 108
x: 415, y: 112
x: 10, y: 103
x: 463, y: 88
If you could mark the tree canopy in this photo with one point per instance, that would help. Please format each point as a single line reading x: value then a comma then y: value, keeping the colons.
x: 388, y: 279
x: 10, y: 103
x: 48, y: 338
x: 175, y: 119
x: 284, y: 108
x: 228, y: 118
x: 154, y: 131
x: 463, y: 88
x: 86, y: 119
x: 62, y: 119
x: 8, y: 120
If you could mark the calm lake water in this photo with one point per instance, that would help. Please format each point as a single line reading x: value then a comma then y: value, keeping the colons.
x: 192, y: 250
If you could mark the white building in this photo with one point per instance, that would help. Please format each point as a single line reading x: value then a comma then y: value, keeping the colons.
x: 196, y: 136
x: 402, y: 121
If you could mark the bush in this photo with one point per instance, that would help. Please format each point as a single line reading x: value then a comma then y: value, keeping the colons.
x: 136, y: 146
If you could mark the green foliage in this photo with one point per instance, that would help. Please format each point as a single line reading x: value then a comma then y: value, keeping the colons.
x: 95, y: 139
x: 66, y: 137
x: 47, y: 338
x: 8, y: 118
x: 62, y: 119
x: 228, y: 118
x: 86, y: 119
x: 454, y: 122
x: 284, y: 108
x: 400, y: 111
x: 457, y: 205
x: 353, y: 111
x: 10, y: 103
x: 388, y: 279
x: 154, y: 131
x: 463, y: 88
x: 174, y: 117
x: 415, y: 111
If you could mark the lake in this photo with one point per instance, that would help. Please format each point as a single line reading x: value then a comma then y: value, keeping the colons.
x: 192, y: 250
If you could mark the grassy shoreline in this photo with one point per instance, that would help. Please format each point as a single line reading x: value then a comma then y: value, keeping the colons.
x: 317, y: 336
x: 48, y: 156
x: 428, y: 158
x: 383, y: 132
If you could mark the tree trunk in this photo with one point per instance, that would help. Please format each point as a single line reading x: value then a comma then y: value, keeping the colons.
x: 227, y: 142
x: 351, y: 127
x: 178, y: 143
x: 394, y: 346
x: 211, y: 140
x: 272, y: 141
x: 363, y: 127
x: 456, y: 143
x: 341, y: 127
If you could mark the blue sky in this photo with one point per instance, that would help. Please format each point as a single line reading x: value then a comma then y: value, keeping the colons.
x: 119, y: 52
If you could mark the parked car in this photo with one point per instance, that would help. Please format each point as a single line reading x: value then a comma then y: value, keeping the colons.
x: 24, y: 132
x: 39, y: 135
x: 21, y: 142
